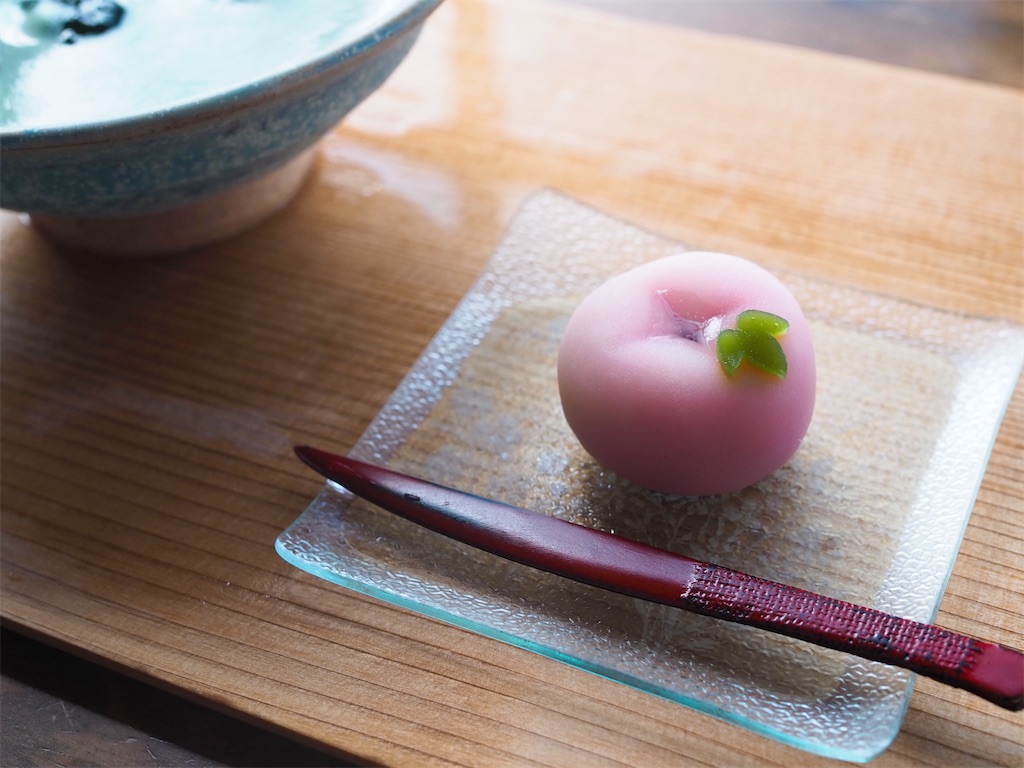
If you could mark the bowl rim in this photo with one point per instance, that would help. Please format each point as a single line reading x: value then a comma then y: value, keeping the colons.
x: 406, y: 17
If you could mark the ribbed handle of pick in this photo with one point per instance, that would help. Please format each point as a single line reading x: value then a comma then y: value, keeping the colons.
x: 991, y: 671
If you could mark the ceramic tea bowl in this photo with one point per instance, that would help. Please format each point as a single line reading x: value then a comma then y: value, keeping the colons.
x: 181, y: 123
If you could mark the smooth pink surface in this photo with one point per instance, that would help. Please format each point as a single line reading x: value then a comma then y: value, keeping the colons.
x: 642, y: 388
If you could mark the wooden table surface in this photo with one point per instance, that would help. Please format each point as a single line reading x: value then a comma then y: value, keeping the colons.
x: 149, y: 406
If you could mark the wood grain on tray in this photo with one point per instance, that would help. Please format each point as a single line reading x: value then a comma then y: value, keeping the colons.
x: 149, y: 408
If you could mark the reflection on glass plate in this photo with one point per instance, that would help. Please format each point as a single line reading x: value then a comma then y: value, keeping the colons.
x: 871, y: 509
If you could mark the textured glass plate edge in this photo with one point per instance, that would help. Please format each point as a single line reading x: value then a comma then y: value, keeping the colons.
x: 494, y: 633
x: 514, y: 640
x: 495, y: 290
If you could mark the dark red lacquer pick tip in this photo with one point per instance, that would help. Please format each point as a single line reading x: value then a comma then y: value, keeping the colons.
x: 306, y: 452
x: 321, y: 461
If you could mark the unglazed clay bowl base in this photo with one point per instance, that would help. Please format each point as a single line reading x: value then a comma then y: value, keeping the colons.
x: 179, y: 229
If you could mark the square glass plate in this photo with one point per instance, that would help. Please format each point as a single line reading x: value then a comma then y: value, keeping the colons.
x: 870, y: 510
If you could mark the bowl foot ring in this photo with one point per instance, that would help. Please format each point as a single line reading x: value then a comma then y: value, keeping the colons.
x: 207, y: 221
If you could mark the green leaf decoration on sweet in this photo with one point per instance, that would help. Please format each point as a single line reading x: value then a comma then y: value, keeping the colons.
x: 754, y: 340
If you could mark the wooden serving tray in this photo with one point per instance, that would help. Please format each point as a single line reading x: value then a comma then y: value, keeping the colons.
x: 149, y: 407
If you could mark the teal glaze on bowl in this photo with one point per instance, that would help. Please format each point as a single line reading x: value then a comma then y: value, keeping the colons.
x: 175, y: 149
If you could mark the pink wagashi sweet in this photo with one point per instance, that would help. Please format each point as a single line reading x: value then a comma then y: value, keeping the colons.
x: 692, y: 375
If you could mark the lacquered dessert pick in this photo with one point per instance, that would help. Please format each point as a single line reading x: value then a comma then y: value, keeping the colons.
x: 991, y: 671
